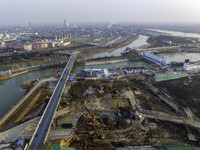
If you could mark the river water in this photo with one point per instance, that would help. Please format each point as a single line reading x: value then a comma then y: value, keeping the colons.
x: 180, y: 57
x: 11, y: 91
x: 117, y: 52
x: 175, y: 33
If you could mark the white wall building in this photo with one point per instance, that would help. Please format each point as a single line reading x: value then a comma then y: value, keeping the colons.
x: 156, y: 58
x: 28, y: 47
x: 99, y: 73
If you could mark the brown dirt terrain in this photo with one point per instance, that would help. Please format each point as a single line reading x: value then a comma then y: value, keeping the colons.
x: 112, y: 110
x: 185, y: 92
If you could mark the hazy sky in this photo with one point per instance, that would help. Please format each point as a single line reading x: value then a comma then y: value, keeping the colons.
x: 54, y: 11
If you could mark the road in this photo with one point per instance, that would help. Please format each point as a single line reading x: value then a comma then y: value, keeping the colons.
x: 44, y: 125
x: 171, y: 118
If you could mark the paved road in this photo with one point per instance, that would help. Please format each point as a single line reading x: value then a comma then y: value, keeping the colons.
x: 44, y: 125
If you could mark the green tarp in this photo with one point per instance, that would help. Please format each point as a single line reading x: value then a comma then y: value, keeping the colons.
x: 58, y: 147
x: 164, y: 77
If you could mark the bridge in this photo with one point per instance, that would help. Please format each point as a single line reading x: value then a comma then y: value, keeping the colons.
x: 44, y: 124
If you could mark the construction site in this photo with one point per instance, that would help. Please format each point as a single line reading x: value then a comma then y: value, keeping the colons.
x: 111, y: 113
x: 130, y: 108
x: 119, y: 114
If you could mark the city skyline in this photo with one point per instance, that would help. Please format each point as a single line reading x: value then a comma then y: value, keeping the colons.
x: 132, y: 11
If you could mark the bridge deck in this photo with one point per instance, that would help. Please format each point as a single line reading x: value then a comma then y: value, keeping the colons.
x: 44, y: 125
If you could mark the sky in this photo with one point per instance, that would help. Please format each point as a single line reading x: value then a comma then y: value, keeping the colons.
x: 13, y: 12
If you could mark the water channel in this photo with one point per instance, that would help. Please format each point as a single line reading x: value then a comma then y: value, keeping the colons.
x: 176, y: 33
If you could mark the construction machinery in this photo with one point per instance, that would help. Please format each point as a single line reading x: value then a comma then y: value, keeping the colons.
x: 95, y: 123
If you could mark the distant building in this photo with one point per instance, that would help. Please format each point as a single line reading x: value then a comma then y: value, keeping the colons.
x: 51, y: 45
x: 44, y: 45
x: 1, y: 35
x: 66, y: 23
x: 98, y: 73
x: 128, y: 51
x: 28, y: 47
x: 37, y: 46
x: 167, y: 42
x: 29, y: 24
x: 156, y: 58
x: 65, y: 43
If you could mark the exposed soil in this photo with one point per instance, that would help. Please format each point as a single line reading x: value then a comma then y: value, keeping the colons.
x: 184, y: 92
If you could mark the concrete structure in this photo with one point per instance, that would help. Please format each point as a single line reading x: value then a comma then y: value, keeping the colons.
x: 99, y: 73
x: 156, y: 58
x: 28, y: 47
x: 191, y: 66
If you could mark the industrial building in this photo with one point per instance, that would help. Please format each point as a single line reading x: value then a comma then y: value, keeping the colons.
x: 156, y: 58
x: 99, y: 73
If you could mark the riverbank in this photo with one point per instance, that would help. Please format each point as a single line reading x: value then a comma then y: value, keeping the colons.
x: 106, y: 61
x: 8, y: 76
x: 25, y: 104
x: 109, y: 48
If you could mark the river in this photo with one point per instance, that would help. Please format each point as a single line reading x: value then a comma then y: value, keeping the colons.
x: 11, y: 91
x: 176, y: 33
x: 117, y: 52
x: 180, y: 57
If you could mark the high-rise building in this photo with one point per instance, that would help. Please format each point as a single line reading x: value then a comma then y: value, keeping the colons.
x: 66, y: 23
x: 29, y: 24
